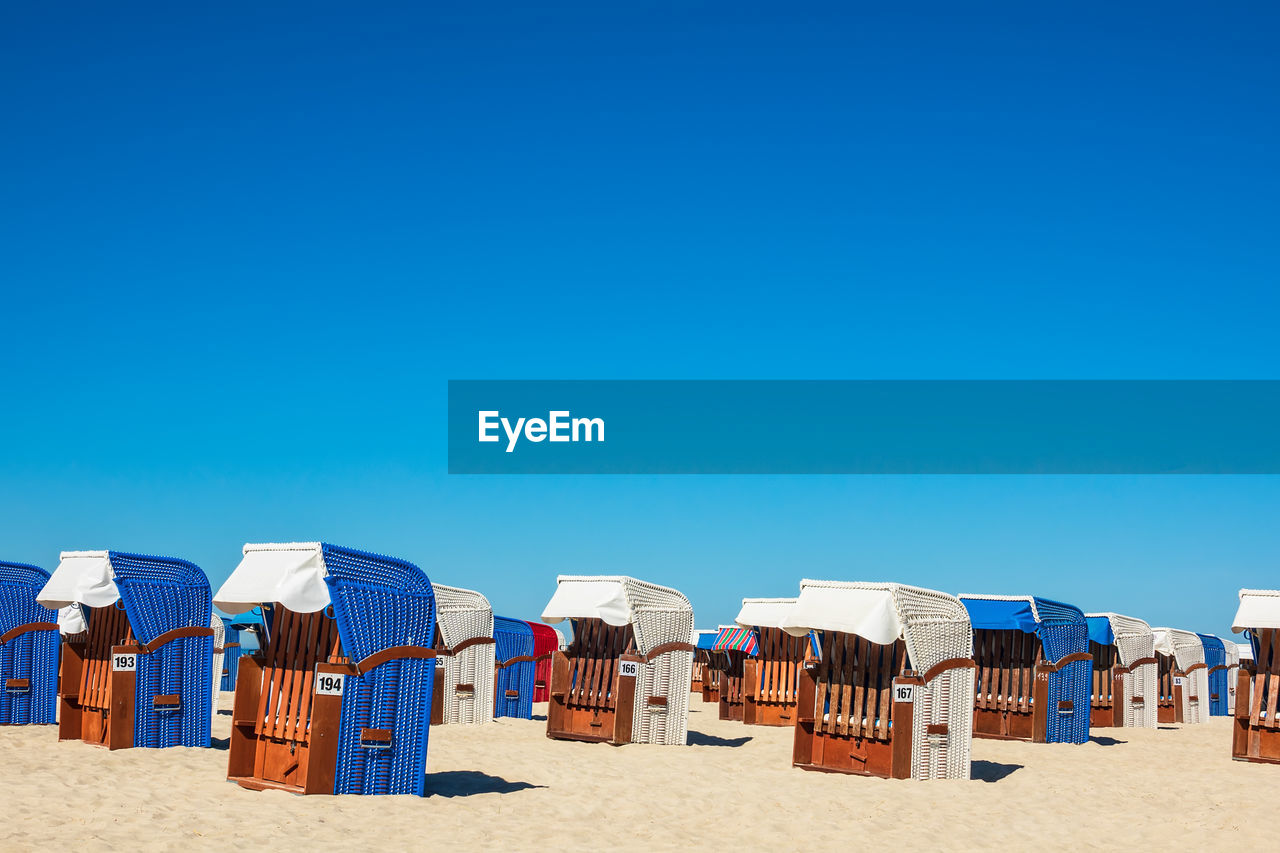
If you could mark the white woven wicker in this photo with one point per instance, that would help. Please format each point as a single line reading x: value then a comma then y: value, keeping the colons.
x: 1233, y: 673
x: 658, y: 615
x: 465, y: 614
x: 219, y: 638
x: 1135, y: 641
x: 935, y: 627
x: 1187, y: 651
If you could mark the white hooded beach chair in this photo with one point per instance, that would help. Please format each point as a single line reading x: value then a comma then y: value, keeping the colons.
x: 771, y: 679
x: 1124, y: 671
x: 892, y: 692
x: 1255, y: 732
x: 465, y: 657
x: 1189, y: 676
x: 625, y: 676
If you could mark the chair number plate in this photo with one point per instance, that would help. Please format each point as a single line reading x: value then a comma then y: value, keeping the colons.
x: 329, y: 684
x: 1180, y: 682
x: 629, y: 668
x: 125, y: 663
x: 904, y: 693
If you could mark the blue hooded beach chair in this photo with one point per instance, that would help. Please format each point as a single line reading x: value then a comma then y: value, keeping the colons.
x: 138, y: 669
x: 28, y: 648
x: 338, y: 700
x: 1034, y: 669
x: 513, y: 672
x: 1215, y: 659
x: 735, y: 645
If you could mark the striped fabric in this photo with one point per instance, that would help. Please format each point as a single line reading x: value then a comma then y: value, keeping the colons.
x: 737, y: 639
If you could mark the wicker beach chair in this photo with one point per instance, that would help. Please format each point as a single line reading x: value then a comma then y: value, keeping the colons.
x: 28, y: 648
x: 338, y: 697
x: 890, y: 693
x: 546, y: 642
x: 230, y: 658
x: 702, y: 641
x: 1034, y: 669
x: 466, y: 658
x: 1233, y: 674
x: 1215, y: 661
x: 1187, y: 674
x: 734, y: 646
x: 138, y: 668
x: 1124, y: 671
x: 1255, y: 733
x: 513, y: 671
x: 623, y: 679
x: 772, y: 677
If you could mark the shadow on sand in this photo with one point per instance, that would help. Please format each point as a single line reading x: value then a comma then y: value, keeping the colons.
x: 1103, y: 740
x: 700, y: 739
x: 991, y: 771
x: 220, y: 743
x: 464, y: 783
x: 539, y: 717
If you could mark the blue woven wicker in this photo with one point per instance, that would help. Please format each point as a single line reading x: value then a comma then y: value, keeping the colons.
x: 32, y: 655
x: 381, y: 603
x: 513, y: 638
x: 230, y: 658
x: 160, y: 594
x: 1063, y: 630
x: 1215, y: 654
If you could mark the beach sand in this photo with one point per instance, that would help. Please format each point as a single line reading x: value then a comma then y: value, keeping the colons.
x: 507, y: 785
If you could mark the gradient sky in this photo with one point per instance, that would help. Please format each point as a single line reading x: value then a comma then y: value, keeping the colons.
x: 243, y: 248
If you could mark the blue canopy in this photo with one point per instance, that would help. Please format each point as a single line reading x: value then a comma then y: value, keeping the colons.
x: 1000, y: 615
x: 1100, y: 630
x: 707, y: 640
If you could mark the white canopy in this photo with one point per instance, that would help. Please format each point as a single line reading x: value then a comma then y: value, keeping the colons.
x: 71, y: 620
x: 867, y: 612
x: 82, y: 577
x: 1259, y: 608
x: 1246, y: 651
x: 589, y: 598
x: 1168, y: 640
x: 292, y: 574
x: 764, y: 612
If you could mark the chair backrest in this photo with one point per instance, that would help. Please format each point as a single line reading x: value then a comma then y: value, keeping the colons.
x: 1105, y: 659
x: 854, y: 680
x: 108, y: 627
x: 593, y: 662
x: 1264, y: 704
x: 1005, y: 674
x: 781, y: 658
x: 298, y: 641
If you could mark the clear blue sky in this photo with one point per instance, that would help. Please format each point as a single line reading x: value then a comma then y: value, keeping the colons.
x: 245, y: 247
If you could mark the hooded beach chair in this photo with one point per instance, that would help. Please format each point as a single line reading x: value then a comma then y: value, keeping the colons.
x: 465, y: 645
x: 219, y: 640
x: 625, y: 676
x: 1187, y: 676
x: 28, y: 648
x: 734, y: 646
x: 712, y: 665
x: 891, y: 691
x: 338, y: 697
x: 1255, y: 733
x: 1215, y: 661
x: 1034, y: 669
x: 1233, y: 674
x: 546, y: 642
x: 230, y: 658
x: 1124, y: 671
x: 513, y: 672
x: 771, y: 679
x: 702, y: 641
x: 138, y: 668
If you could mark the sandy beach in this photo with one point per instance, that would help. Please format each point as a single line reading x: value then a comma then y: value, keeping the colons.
x: 507, y: 785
